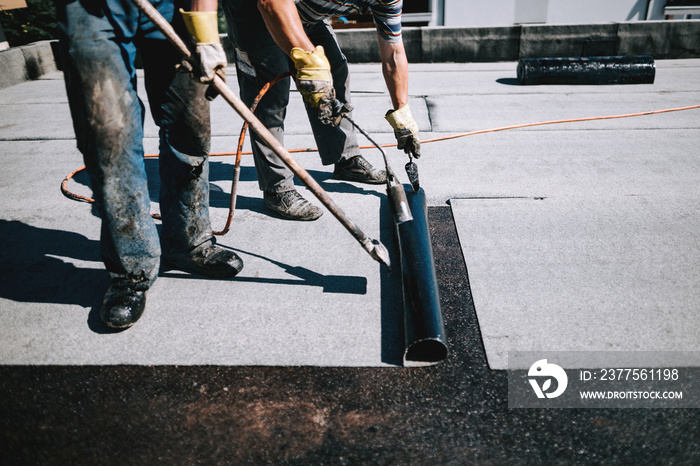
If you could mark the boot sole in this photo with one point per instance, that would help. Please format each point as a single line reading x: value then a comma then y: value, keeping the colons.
x: 292, y: 217
x: 357, y: 179
x: 202, y: 271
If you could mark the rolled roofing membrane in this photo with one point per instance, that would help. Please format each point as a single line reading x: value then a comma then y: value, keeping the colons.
x: 425, y: 340
x: 587, y: 70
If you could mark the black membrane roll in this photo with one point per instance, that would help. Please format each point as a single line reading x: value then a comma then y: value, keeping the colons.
x: 587, y: 70
x: 424, y: 329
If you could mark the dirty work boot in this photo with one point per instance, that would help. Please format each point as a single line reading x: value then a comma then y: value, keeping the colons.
x: 291, y: 205
x: 123, y: 304
x: 207, y: 259
x: 360, y: 170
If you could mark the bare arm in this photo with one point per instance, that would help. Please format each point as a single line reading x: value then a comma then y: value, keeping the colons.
x: 204, y: 5
x: 282, y: 20
x: 395, y: 70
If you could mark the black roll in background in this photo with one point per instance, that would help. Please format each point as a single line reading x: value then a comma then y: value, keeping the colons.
x: 587, y: 70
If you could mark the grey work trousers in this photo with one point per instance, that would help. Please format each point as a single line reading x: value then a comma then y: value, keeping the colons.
x: 259, y: 60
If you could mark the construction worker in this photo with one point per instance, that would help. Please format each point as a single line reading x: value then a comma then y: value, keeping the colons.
x: 99, y: 41
x: 269, y: 37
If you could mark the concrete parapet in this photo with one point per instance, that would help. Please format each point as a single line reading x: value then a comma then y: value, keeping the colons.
x: 26, y: 63
x: 568, y: 40
x: 14, y: 69
x: 660, y: 39
x: 483, y: 44
x: 361, y: 44
x: 412, y: 41
x: 39, y: 58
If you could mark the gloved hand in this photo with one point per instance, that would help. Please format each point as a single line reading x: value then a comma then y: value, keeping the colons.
x: 339, y: 110
x: 315, y: 82
x: 405, y: 130
x: 209, y: 56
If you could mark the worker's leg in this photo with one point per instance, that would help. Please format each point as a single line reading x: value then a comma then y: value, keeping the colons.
x: 259, y: 61
x: 335, y: 143
x: 181, y: 111
x: 98, y: 55
x: 107, y: 117
x: 338, y: 144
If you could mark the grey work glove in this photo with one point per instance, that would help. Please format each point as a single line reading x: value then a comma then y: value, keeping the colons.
x: 212, y: 60
x: 405, y: 130
x: 209, y: 58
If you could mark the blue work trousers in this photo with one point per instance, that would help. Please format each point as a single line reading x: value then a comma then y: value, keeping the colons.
x: 99, y: 42
x: 259, y: 60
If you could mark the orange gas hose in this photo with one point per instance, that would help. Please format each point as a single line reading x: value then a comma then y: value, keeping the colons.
x: 241, y: 139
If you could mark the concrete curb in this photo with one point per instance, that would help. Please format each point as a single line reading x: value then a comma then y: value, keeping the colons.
x: 27, y: 63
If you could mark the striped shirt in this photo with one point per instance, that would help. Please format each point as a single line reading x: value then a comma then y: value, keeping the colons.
x: 386, y: 13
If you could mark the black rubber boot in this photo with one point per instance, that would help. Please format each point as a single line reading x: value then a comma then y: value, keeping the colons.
x: 360, y: 170
x: 292, y: 206
x: 123, y: 305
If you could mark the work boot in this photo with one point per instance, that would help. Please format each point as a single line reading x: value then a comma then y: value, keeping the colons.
x: 207, y: 259
x: 291, y: 205
x: 358, y: 169
x: 123, y: 304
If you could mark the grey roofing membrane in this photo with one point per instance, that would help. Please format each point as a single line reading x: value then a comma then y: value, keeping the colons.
x: 576, y: 236
x: 583, y: 274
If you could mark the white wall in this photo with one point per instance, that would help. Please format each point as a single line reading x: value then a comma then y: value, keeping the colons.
x: 481, y: 13
x: 595, y: 11
x: 477, y: 13
x: 531, y: 11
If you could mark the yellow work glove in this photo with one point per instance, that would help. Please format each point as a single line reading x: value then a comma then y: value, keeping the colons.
x: 315, y: 82
x: 405, y: 130
x: 210, y: 58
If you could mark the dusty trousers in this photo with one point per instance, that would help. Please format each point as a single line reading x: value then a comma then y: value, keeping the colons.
x: 99, y: 43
